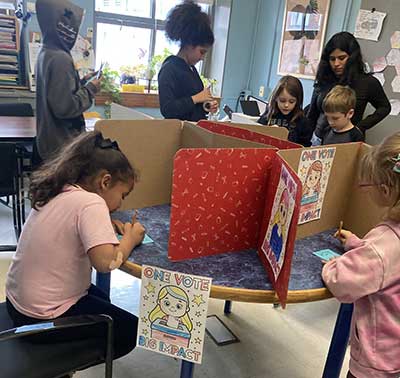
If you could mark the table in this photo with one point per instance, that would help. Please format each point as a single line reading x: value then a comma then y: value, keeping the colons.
x: 239, y: 276
x: 17, y: 129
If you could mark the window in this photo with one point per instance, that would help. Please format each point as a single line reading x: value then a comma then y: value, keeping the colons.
x: 130, y: 33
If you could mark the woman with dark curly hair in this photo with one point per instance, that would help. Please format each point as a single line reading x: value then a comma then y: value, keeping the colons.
x: 341, y: 63
x: 181, y: 90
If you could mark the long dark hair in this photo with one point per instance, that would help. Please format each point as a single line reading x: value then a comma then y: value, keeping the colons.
x: 354, y: 66
x: 189, y: 25
x: 294, y: 87
x: 77, y: 162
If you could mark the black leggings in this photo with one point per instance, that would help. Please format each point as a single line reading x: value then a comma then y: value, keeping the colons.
x: 95, y: 302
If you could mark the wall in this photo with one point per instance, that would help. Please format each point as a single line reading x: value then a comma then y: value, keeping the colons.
x: 259, y: 24
x: 372, y: 50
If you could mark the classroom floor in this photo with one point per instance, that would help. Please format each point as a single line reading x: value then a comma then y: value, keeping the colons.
x: 274, y: 343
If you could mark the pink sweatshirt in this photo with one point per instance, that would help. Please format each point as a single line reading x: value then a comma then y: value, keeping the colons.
x: 369, y: 275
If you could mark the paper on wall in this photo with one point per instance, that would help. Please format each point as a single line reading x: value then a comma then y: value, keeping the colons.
x: 381, y: 77
x: 396, y: 84
x: 395, y: 40
x: 314, y: 171
x: 393, y: 57
x: 369, y: 24
x: 379, y: 64
x: 173, y: 313
x: 395, y: 107
x: 274, y: 244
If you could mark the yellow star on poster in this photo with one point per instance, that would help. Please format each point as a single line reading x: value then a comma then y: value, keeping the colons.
x: 198, y: 299
x: 145, y: 332
x: 303, y: 171
x: 197, y: 340
x: 150, y: 288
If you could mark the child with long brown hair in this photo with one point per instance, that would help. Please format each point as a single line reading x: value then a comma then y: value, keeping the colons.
x: 286, y: 110
x: 69, y: 231
x: 368, y: 274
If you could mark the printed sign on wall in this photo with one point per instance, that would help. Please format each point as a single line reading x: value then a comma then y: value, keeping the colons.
x: 274, y: 244
x: 314, y: 170
x: 173, y: 312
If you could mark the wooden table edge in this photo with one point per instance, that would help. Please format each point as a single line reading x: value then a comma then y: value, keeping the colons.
x: 247, y: 295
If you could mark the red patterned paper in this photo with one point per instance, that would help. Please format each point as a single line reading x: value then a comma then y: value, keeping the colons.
x: 224, y: 129
x: 218, y: 200
x: 281, y: 283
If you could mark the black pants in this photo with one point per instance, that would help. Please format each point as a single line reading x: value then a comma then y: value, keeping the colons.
x: 95, y: 302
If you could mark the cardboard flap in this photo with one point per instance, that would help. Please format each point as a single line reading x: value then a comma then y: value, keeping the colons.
x: 279, y: 226
x: 339, y: 188
x: 218, y: 200
x: 245, y: 134
x: 276, y: 132
x: 362, y: 214
x: 150, y: 146
x: 198, y: 137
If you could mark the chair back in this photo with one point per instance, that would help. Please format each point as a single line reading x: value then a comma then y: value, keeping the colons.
x: 8, y: 171
x: 16, y: 109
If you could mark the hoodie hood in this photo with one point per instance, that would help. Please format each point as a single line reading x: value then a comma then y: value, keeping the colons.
x: 59, y: 22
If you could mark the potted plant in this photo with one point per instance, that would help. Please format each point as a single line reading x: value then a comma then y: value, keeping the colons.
x: 109, y: 89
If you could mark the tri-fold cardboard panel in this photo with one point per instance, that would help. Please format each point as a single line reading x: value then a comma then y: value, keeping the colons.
x: 151, y: 147
x: 224, y: 188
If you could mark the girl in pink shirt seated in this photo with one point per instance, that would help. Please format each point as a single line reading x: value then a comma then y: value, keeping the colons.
x: 69, y: 231
x: 368, y: 274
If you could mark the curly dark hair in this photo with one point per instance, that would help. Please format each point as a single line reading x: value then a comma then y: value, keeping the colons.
x: 78, y: 162
x: 189, y: 25
x: 355, y: 65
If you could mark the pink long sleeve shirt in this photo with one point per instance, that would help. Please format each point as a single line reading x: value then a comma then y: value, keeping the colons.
x: 368, y: 275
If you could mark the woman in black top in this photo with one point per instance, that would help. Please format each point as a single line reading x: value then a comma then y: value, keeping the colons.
x: 180, y: 88
x: 341, y: 63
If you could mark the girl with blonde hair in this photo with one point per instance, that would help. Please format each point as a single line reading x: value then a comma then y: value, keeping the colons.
x: 368, y: 274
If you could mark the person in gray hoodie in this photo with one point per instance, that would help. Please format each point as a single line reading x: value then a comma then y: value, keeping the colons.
x: 61, y: 97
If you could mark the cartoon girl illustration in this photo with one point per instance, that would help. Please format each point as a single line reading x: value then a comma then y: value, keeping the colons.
x: 312, y: 183
x: 170, y: 319
x: 278, y: 233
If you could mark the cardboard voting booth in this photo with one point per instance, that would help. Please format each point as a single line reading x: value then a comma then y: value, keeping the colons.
x: 228, y: 193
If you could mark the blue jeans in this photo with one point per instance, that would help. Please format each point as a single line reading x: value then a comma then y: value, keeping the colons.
x: 315, y: 141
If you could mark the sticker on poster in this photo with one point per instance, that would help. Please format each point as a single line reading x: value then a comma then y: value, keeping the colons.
x: 314, y: 171
x: 173, y: 313
x: 274, y: 244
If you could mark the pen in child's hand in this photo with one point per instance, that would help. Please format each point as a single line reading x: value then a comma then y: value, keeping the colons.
x: 134, y: 220
x: 340, y: 227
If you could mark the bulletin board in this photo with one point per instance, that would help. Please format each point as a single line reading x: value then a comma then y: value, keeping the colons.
x: 372, y: 51
x: 303, y: 36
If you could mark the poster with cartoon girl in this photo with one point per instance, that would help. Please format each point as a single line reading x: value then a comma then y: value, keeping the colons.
x: 314, y: 171
x: 173, y: 311
x: 274, y: 244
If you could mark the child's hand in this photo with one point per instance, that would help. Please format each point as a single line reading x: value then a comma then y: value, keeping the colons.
x: 214, y: 106
x: 96, y: 83
x: 118, y: 226
x: 203, y: 96
x: 135, y: 230
x: 343, y: 235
